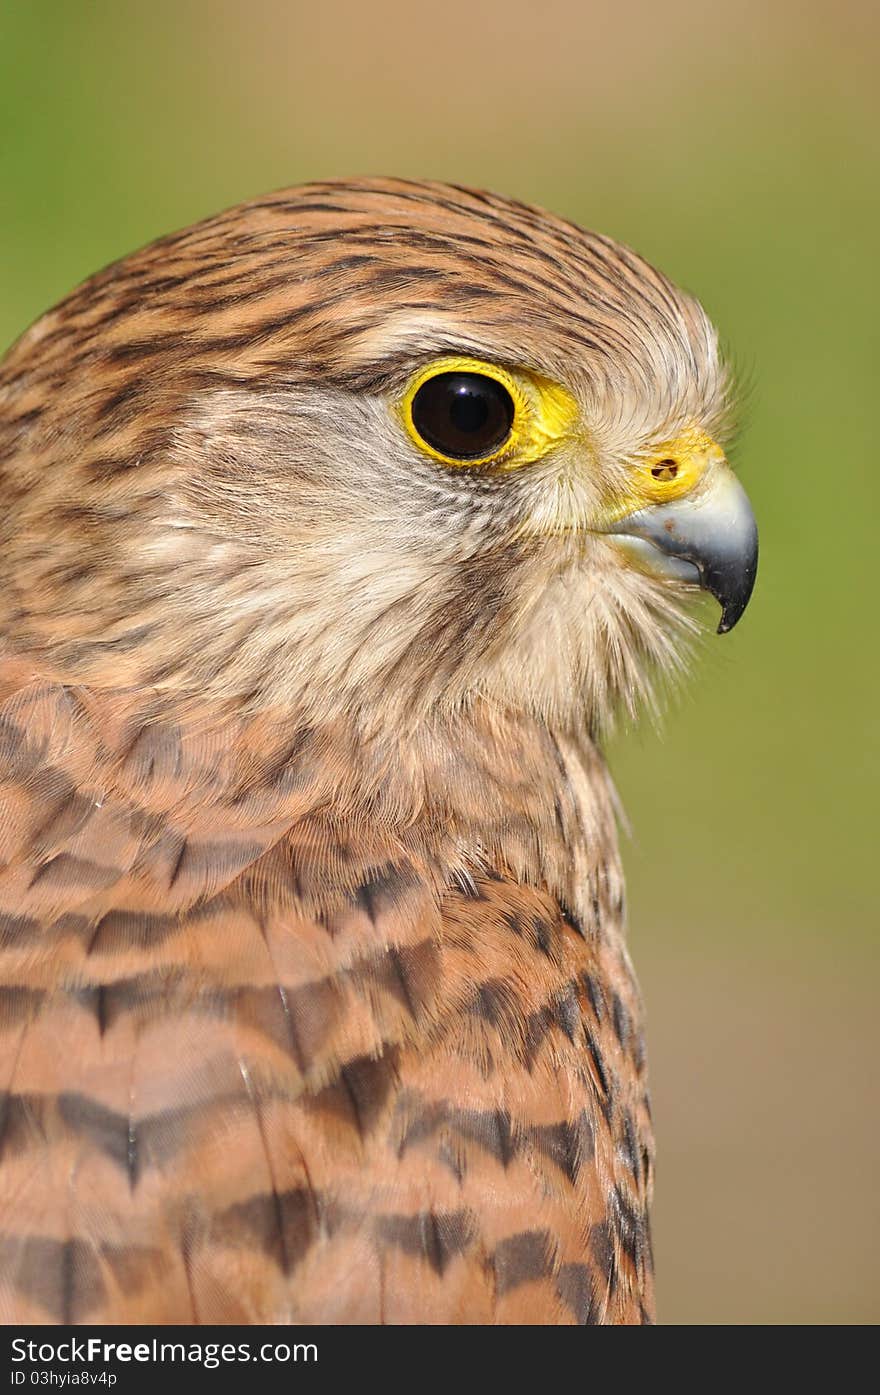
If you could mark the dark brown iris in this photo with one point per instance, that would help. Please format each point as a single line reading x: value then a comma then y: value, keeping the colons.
x: 463, y: 415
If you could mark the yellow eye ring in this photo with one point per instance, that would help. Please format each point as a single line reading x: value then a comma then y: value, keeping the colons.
x: 475, y: 410
x: 466, y: 413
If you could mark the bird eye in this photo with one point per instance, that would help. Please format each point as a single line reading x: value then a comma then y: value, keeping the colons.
x: 465, y: 416
x: 471, y: 412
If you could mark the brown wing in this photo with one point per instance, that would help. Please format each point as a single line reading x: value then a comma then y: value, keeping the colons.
x: 260, y: 1063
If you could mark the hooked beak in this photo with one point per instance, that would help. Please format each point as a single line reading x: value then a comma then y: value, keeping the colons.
x: 703, y: 530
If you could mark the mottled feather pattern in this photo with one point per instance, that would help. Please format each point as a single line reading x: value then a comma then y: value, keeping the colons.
x: 314, y: 997
x: 229, y: 1077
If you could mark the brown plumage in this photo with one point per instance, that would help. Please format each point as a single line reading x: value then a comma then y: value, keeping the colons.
x: 314, y: 1000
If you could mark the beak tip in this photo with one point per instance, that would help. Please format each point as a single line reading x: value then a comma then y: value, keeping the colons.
x: 733, y: 587
x: 729, y: 617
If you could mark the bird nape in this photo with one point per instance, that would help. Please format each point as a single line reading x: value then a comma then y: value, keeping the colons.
x: 333, y: 530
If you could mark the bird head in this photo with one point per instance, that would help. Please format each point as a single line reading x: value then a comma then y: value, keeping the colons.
x: 373, y: 447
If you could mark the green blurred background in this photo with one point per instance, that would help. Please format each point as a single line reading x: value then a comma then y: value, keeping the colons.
x: 735, y: 145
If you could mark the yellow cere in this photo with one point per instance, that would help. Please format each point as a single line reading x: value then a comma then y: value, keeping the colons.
x: 544, y: 413
x: 672, y: 469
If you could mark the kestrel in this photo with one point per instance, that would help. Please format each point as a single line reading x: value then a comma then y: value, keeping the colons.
x: 333, y: 530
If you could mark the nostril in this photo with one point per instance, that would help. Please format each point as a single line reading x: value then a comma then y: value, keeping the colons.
x: 665, y: 470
